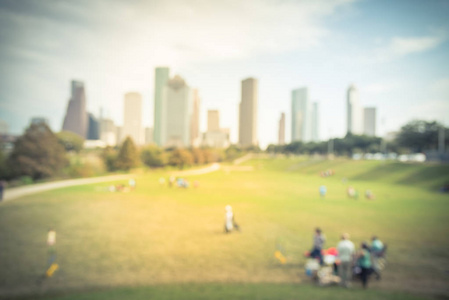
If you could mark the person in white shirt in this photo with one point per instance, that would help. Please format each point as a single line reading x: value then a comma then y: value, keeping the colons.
x: 345, y: 255
x: 229, y: 220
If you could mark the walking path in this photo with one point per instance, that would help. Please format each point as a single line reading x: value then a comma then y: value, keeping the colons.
x: 17, y: 192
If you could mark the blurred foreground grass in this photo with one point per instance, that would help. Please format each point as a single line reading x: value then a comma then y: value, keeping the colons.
x: 167, y: 238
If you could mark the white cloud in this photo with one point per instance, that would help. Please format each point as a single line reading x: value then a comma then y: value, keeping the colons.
x: 404, y: 46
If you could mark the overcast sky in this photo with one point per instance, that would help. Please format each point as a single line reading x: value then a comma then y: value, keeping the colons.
x: 395, y: 52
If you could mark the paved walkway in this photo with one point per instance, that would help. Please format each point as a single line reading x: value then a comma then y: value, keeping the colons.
x: 17, y: 192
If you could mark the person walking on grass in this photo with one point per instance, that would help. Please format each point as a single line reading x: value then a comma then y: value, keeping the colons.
x: 345, y: 256
x: 364, y: 262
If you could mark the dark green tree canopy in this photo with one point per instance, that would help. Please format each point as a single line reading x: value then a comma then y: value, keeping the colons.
x: 420, y: 135
x: 37, y: 153
x: 153, y: 156
x: 180, y: 158
x: 127, y: 157
x: 70, y: 141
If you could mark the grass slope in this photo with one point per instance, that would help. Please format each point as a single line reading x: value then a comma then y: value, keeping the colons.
x: 160, y: 237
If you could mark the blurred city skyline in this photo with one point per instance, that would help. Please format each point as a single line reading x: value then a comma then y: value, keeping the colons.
x: 396, y: 54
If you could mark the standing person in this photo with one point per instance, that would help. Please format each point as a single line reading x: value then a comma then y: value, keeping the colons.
x: 318, y: 242
x: 364, y: 261
x: 51, y: 241
x: 323, y: 191
x: 229, y: 220
x: 345, y: 255
x: 377, y: 251
x: 132, y: 183
x: 2, y: 187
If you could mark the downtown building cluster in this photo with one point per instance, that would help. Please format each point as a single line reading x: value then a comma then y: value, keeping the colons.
x: 177, y: 117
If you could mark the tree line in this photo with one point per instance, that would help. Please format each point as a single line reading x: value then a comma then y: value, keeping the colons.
x: 39, y: 153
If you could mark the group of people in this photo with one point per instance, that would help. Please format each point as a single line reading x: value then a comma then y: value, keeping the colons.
x: 179, y: 181
x: 350, y: 191
x: 348, y: 262
x: 122, y: 187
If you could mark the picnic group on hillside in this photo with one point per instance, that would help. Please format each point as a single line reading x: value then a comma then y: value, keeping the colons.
x: 344, y: 263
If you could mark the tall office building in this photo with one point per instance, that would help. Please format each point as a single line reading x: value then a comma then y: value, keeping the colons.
x: 195, y: 126
x: 148, y: 135
x: 369, y: 116
x: 213, y: 120
x: 162, y: 75
x: 215, y: 136
x: 248, y: 113
x: 176, y: 113
x: 93, y: 131
x: 108, y: 132
x: 301, y: 116
x: 354, y: 111
x: 315, y: 122
x: 132, y: 118
x: 76, y: 117
x: 282, y: 129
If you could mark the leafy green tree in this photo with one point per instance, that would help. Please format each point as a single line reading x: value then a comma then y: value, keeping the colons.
x: 109, y: 156
x: 127, y: 157
x: 198, y: 156
x: 233, y: 152
x: 37, y: 153
x: 153, y: 156
x: 180, y: 158
x: 420, y: 135
x: 70, y: 141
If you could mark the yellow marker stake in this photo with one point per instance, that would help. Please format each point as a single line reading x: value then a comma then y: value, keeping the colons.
x: 280, y: 257
x: 51, y: 270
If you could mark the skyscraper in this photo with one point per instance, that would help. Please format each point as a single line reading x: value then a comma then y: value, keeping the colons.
x: 93, y: 132
x: 213, y: 120
x: 132, y: 118
x: 76, y: 117
x: 369, y: 116
x: 282, y: 129
x: 301, y: 115
x: 248, y: 113
x: 176, y: 113
x: 195, y: 126
x: 215, y: 136
x: 315, y: 122
x: 162, y: 75
x: 354, y: 111
x: 108, y: 132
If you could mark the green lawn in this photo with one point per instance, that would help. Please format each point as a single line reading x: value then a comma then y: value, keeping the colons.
x: 169, y: 243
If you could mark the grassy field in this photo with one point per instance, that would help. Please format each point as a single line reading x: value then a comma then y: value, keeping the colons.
x: 162, y: 243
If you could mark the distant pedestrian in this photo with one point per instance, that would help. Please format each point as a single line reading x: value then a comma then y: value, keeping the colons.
x: 364, y: 262
x: 318, y: 242
x: 132, y: 183
x: 345, y: 255
x: 171, y: 181
x: 51, y: 241
x: 323, y: 191
x: 2, y: 188
x: 230, y: 223
x: 162, y: 181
